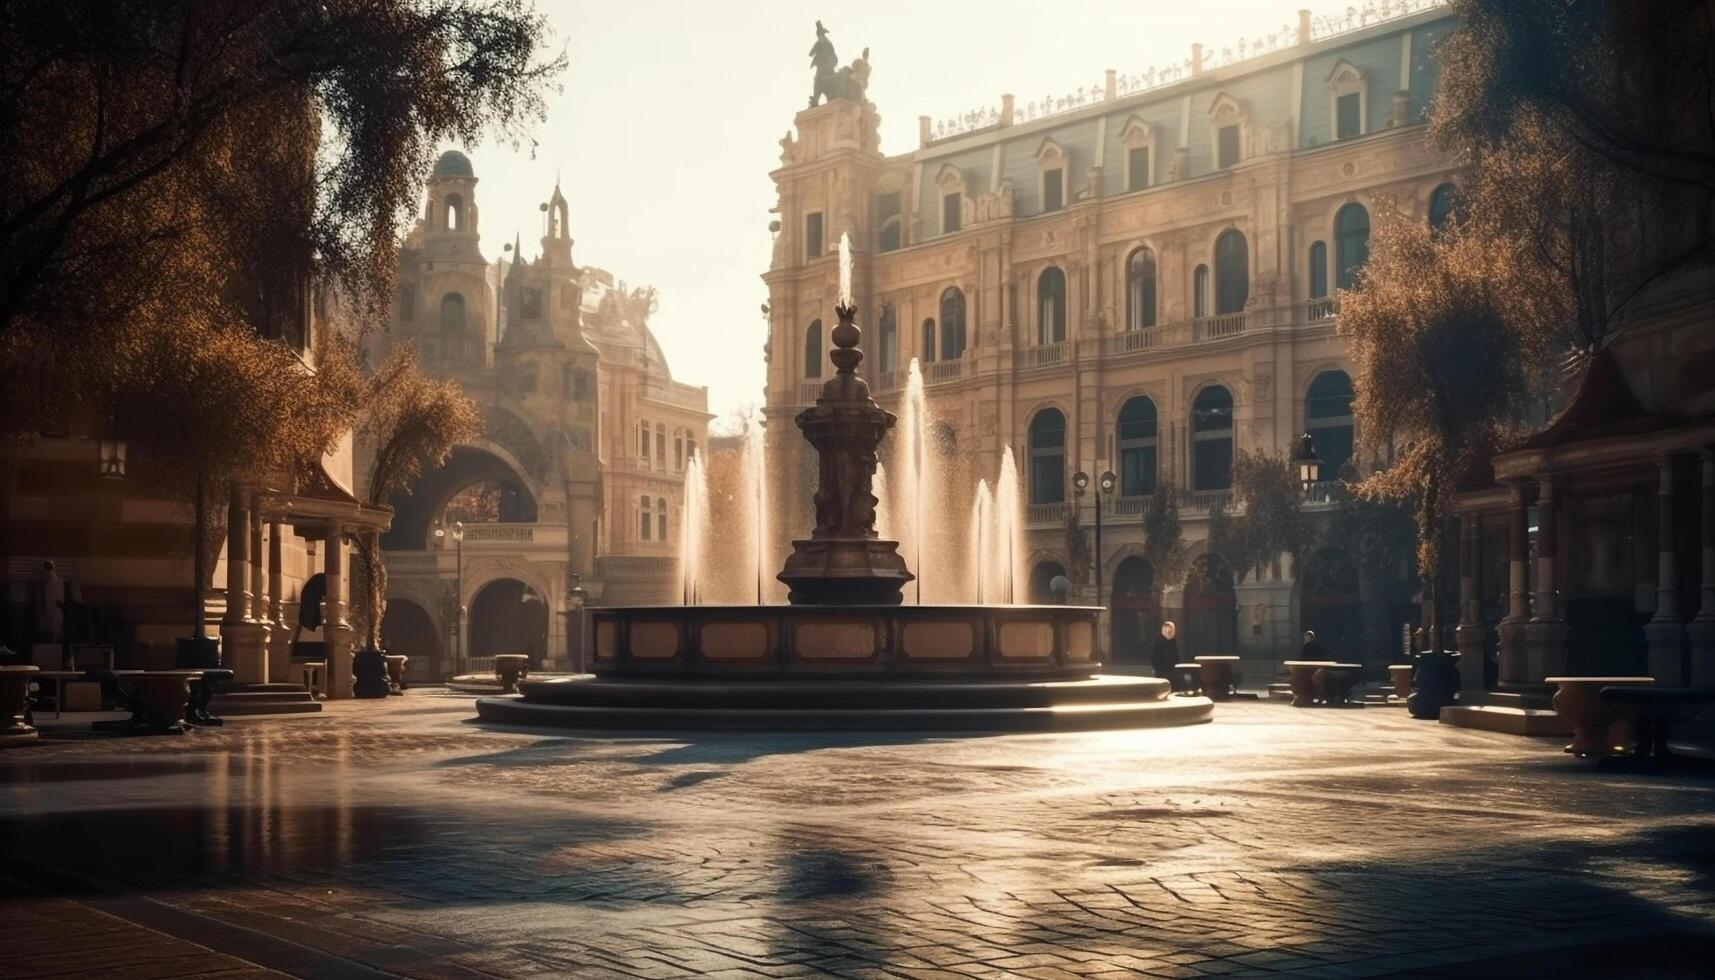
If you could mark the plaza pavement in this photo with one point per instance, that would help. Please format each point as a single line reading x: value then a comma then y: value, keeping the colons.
x: 400, y: 838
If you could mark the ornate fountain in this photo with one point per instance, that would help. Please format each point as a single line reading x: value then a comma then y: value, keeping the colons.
x: 845, y: 653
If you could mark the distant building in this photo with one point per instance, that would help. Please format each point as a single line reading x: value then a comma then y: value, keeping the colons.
x: 580, y: 466
x: 1140, y: 278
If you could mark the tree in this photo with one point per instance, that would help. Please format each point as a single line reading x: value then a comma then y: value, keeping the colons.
x: 1589, y: 133
x: 410, y: 420
x: 1078, y: 556
x: 1163, y: 537
x: 1445, y: 358
x: 114, y: 111
x: 1273, y: 522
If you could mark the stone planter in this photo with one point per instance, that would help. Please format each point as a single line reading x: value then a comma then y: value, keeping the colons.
x: 1437, y: 685
x: 1305, y: 681
x: 14, y: 697
x: 1220, y: 676
x: 1597, y: 732
x: 159, y: 698
x: 396, y: 671
x: 508, y: 668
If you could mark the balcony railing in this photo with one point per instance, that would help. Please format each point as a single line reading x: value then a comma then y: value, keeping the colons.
x: 1317, y: 310
x: 1125, y: 507
x: 1207, y: 499
x: 808, y: 392
x: 1047, y: 355
x: 1219, y: 327
x: 941, y: 372
x: 676, y: 393
x: 1323, y: 492
x: 1043, y: 515
x: 887, y: 381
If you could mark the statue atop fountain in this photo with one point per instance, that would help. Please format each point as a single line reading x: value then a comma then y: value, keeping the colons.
x: 844, y: 562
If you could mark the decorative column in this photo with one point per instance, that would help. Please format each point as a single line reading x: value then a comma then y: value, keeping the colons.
x: 1665, y: 630
x: 259, y: 589
x: 280, y: 639
x: 1702, y: 629
x: 1515, y: 664
x: 1469, y: 635
x: 242, y: 637
x: 1545, y: 635
x: 336, y: 631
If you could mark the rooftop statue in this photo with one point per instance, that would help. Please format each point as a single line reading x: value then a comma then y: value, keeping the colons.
x: 850, y: 83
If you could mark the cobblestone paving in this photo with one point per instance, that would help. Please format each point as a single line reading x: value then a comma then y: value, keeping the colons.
x: 400, y: 838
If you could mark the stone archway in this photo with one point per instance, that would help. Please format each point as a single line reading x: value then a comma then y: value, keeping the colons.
x: 1211, y: 621
x: 1330, y: 604
x: 508, y: 616
x: 1134, y: 610
x: 467, y: 468
x: 408, y: 628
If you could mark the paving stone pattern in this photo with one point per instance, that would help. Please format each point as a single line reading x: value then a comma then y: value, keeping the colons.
x: 401, y: 838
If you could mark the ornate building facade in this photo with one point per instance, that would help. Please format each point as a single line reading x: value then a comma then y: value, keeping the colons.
x: 1143, y: 280
x: 581, y: 461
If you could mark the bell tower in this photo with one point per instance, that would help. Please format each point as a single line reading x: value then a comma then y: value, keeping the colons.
x: 450, y: 220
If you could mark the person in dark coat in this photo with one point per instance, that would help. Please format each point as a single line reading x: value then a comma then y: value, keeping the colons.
x: 1166, y: 652
x: 1312, y: 648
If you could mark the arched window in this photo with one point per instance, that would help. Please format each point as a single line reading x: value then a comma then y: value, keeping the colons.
x: 1443, y: 206
x: 1140, y: 290
x: 1051, y: 306
x: 452, y: 326
x: 1351, y: 244
x: 1328, y: 419
x: 888, y: 343
x: 1048, y: 457
x: 1232, y: 273
x: 952, y: 324
x: 813, y: 349
x: 928, y: 352
x: 645, y: 523
x: 1136, y: 434
x: 454, y: 213
x: 1212, y: 439
x: 1319, y: 270
x: 661, y: 519
x: 1200, y: 292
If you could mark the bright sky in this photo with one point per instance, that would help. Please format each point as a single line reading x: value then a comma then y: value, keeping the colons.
x: 671, y: 112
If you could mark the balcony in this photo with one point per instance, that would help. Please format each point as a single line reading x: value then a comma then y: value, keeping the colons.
x: 1046, y: 355
x: 1218, y: 327
x: 1319, y: 310
x: 1205, y: 500
x: 941, y: 372
x: 887, y: 380
x: 1130, y: 508
x: 676, y: 393
x: 1045, y: 515
x: 480, y: 539
x: 808, y: 392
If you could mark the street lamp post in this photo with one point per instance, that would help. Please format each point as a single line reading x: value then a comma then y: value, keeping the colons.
x: 1104, y: 487
x: 458, y: 586
x: 576, y: 597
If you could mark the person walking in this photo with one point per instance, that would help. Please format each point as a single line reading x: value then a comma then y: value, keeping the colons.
x: 1166, y: 652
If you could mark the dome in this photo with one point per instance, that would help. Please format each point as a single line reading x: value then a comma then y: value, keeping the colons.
x: 453, y: 164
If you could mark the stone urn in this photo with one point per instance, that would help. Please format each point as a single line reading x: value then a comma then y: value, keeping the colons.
x: 396, y: 671
x: 159, y: 698
x: 14, y: 698
x: 1437, y: 685
x: 1188, y: 679
x: 1400, y: 676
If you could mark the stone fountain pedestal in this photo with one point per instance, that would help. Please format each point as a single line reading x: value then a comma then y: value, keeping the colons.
x: 845, y: 654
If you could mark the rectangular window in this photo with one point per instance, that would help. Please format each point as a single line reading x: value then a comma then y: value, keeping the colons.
x: 660, y: 450
x: 1048, y: 479
x: 1137, y: 168
x: 1137, y: 472
x: 1346, y: 119
x: 532, y: 304
x: 1227, y: 147
x: 951, y: 204
x: 813, y: 234
x: 1212, y: 464
x: 1053, y: 189
x: 643, y: 440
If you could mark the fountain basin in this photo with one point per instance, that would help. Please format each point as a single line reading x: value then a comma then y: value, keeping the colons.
x: 978, y: 706
x: 968, y: 642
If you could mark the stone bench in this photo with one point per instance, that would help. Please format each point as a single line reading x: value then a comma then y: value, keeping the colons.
x: 1188, y: 679
x: 158, y: 699
x: 1653, y: 711
x: 1335, y: 683
x: 1220, y: 676
x: 1597, y: 732
x: 509, y: 668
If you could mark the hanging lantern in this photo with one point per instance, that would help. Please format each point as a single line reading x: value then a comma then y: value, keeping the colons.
x: 110, y: 457
x: 1309, y: 464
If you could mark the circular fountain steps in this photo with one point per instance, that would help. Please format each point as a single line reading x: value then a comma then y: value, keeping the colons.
x: 1100, y: 702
